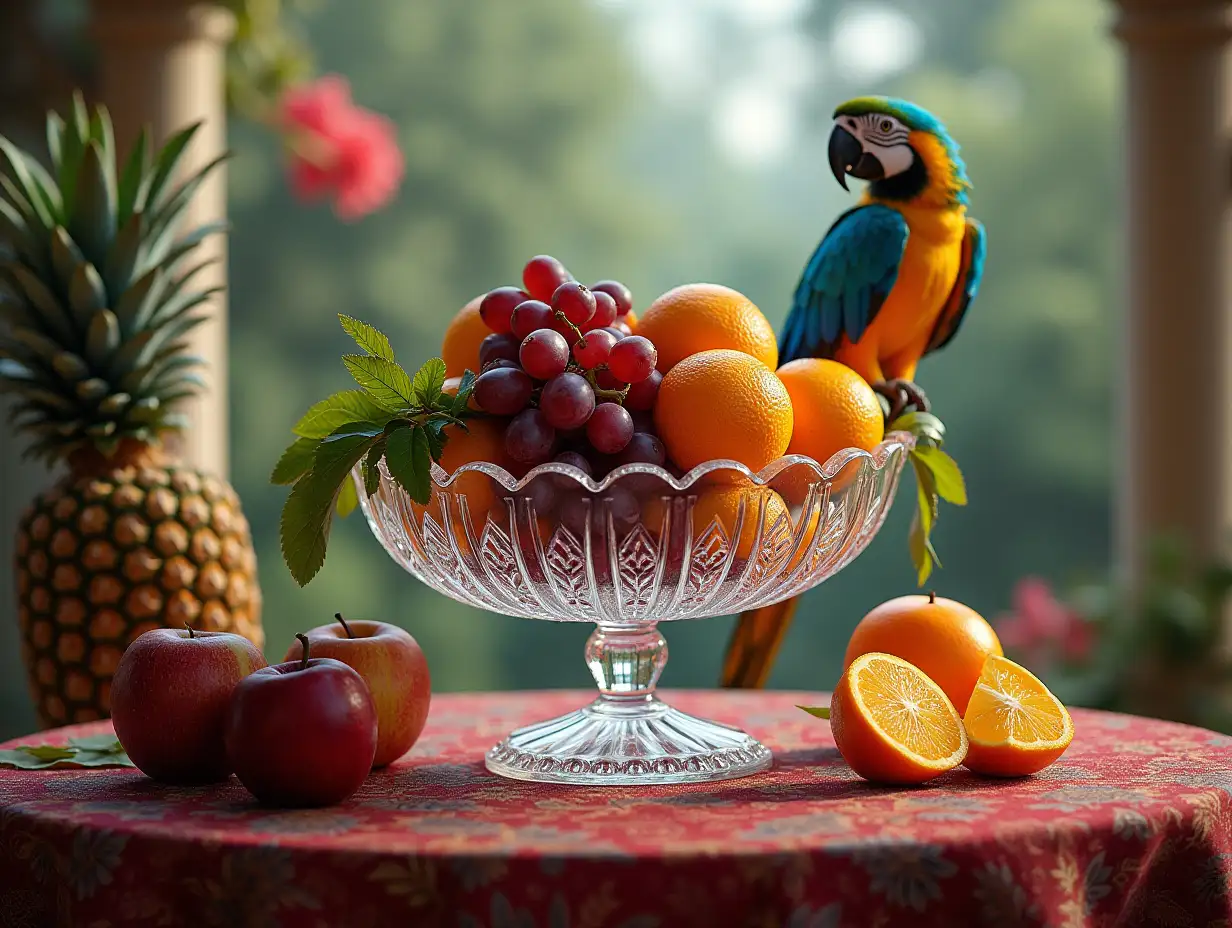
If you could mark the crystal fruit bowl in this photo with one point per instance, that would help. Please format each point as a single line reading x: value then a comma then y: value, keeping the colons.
x: 639, y: 547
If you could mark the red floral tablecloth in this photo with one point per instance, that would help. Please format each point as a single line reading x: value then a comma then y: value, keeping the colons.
x: 1132, y: 827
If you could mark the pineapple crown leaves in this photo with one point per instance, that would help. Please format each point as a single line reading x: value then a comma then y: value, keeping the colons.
x: 937, y: 477
x: 393, y: 416
x: 96, y: 286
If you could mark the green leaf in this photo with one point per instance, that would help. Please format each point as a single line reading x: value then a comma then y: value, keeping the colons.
x: 348, y: 499
x: 130, y: 178
x: 429, y: 379
x: 947, y: 478
x: 409, y: 459
x: 923, y: 555
x: 926, y: 427
x: 821, y: 712
x: 295, y: 461
x: 465, y: 388
x: 306, y: 516
x: 372, y: 474
x: 338, y: 410
x: 385, y: 381
x: 165, y: 162
x: 368, y: 338
x: 103, y: 744
x: 436, y: 437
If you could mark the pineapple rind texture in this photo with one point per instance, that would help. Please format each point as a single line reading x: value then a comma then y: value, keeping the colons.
x: 97, y: 288
x: 103, y: 559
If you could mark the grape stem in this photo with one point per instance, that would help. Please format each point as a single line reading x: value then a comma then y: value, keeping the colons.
x: 592, y: 378
x: 565, y: 319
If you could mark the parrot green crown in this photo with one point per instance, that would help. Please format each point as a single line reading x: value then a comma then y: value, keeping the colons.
x: 902, y: 149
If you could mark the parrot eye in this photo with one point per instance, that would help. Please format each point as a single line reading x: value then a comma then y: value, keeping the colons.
x: 886, y: 125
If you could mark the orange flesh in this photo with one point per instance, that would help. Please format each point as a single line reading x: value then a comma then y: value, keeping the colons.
x: 1010, y: 705
x: 908, y: 709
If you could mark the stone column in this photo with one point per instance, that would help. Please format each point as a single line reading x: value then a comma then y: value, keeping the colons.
x: 161, y: 63
x: 1176, y: 373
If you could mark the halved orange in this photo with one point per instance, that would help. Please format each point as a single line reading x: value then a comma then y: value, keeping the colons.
x: 1014, y: 724
x: 893, y: 724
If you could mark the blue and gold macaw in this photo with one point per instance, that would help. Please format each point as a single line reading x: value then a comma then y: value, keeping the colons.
x: 889, y: 283
x: 894, y: 276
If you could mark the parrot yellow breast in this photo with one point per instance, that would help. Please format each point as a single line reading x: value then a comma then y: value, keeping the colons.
x: 896, y: 339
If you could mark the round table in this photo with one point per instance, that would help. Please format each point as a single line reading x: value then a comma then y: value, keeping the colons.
x: 1133, y: 826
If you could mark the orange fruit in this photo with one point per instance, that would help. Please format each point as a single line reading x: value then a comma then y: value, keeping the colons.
x: 485, y: 441
x: 833, y: 408
x: 723, y: 502
x: 1014, y: 725
x: 892, y: 724
x: 701, y: 317
x: 460, y: 347
x: 723, y: 404
x: 630, y: 319
x: 947, y: 640
x: 451, y: 386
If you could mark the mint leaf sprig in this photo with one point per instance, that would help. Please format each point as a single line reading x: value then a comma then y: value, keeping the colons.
x: 393, y: 416
x: 937, y: 477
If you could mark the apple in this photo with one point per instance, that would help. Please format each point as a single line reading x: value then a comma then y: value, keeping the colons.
x: 395, y: 669
x: 169, y: 701
x: 302, y: 733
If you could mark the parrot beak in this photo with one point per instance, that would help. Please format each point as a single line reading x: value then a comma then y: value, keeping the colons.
x: 847, y: 156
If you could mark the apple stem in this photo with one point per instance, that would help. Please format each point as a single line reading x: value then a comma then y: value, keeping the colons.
x: 932, y: 597
x: 338, y: 616
x: 303, y: 640
x: 191, y: 634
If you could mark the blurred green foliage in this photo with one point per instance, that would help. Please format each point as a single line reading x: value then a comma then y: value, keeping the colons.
x: 528, y: 128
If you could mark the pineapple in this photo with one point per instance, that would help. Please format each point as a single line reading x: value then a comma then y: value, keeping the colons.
x: 96, y: 297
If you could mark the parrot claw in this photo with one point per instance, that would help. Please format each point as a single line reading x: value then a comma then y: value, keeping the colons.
x: 901, y: 394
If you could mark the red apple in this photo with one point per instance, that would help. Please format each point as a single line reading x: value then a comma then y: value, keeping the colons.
x: 169, y: 700
x: 302, y: 733
x: 395, y: 669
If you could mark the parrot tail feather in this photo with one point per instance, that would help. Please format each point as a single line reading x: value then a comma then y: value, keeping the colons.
x: 754, y: 645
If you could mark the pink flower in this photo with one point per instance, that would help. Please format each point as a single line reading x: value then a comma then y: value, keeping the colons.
x: 339, y: 149
x: 1040, y: 624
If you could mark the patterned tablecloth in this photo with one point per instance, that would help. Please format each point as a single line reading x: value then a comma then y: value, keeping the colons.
x: 1132, y: 827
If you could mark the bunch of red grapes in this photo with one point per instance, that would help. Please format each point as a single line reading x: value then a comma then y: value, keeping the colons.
x: 561, y: 362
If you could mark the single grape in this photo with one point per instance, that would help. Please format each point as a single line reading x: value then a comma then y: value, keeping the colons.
x: 542, y: 275
x: 593, y: 349
x: 529, y: 316
x: 610, y: 428
x: 567, y: 401
x: 544, y: 354
x: 643, y: 420
x: 529, y: 439
x: 503, y: 391
x: 575, y: 301
x: 541, y: 493
x: 632, y: 359
x: 622, y: 327
x: 498, y: 305
x: 574, y: 459
x: 574, y: 510
x: 497, y: 346
x: 618, y: 292
x: 605, y: 312
x: 498, y: 364
x: 642, y: 394
x: 644, y: 448
x: 621, y: 504
x: 619, y: 333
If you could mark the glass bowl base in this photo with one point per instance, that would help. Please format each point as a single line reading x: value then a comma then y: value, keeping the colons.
x: 628, y: 742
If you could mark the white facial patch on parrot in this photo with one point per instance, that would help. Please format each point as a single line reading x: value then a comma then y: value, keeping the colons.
x: 883, y: 137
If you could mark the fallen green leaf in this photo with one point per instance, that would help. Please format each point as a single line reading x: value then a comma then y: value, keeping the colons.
x: 821, y: 712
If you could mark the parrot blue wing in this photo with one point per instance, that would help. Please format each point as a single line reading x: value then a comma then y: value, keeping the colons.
x: 970, y: 272
x: 845, y: 282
